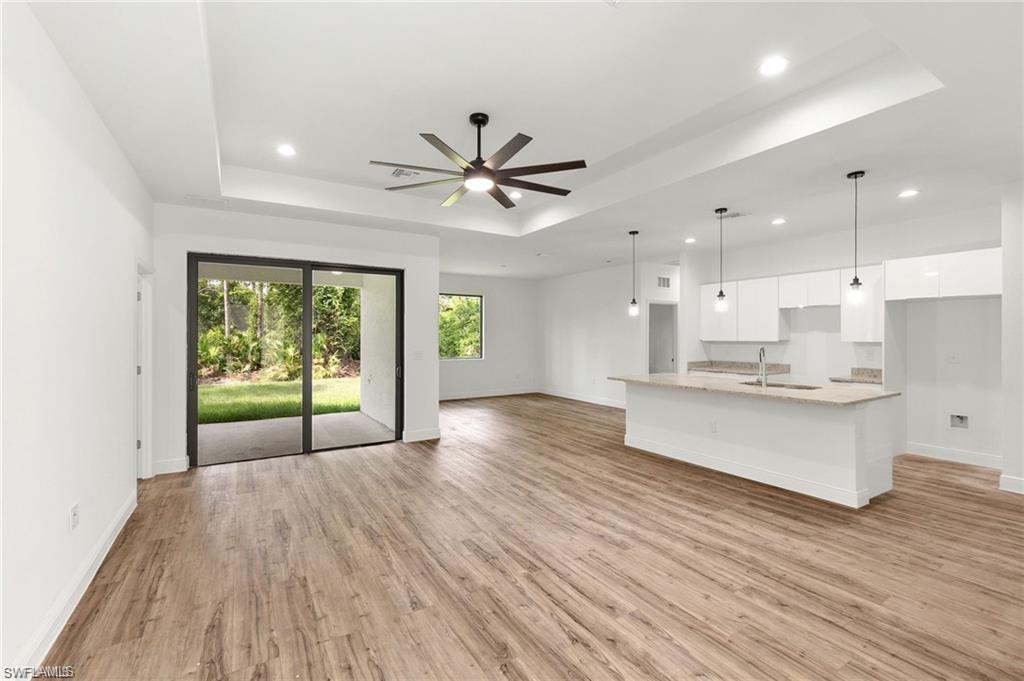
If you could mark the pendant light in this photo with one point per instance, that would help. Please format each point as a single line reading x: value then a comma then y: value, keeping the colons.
x: 721, y: 304
x: 634, y: 308
x: 855, y: 294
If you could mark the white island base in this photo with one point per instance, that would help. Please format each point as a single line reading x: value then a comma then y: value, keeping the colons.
x: 840, y: 453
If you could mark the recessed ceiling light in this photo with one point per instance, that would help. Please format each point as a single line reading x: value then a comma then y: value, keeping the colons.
x: 515, y: 195
x: 774, y: 65
x: 779, y: 221
x: 689, y: 240
x: 286, y: 149
x: 908, y: 193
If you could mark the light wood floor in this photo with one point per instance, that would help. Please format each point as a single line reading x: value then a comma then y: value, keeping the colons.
x: 529, y: 543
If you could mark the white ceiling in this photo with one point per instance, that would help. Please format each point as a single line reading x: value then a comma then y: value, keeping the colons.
x: 663, y: 100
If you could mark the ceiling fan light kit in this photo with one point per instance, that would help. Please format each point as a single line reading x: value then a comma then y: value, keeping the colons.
x: 481, y: 175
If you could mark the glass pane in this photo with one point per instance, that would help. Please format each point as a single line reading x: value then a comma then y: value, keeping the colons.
x: 461, y: 326
x: 249, y: 365
x: 354, y: 325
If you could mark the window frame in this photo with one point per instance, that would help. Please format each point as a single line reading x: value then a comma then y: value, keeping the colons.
x: 482, y: 325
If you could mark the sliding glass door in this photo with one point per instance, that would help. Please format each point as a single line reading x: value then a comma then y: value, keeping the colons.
x: 289, y: 357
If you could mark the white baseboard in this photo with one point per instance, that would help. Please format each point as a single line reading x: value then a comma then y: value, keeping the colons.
x: 487, y: 393
x: 57, y: 616
x: 957, y: 455
x: 593, y: 399
x: 422, y: 434
x: 169, y: 466
x: 845, y: 497
x: 1011, y: 483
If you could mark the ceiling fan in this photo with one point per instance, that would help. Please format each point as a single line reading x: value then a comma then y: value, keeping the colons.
x: 479, y: 175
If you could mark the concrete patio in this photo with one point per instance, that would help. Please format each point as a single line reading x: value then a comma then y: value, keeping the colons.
x: 246, y: 440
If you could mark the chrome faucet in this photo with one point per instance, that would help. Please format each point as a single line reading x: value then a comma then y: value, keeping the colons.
x: 762, y: 368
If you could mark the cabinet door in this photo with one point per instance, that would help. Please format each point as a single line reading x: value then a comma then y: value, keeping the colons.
x: 793, y: 290
x: 823, y: 288
x: 910, y: 278
x: 864, y: 322
x: 717, y: 326
x: 758, y: 317
x: 971, y: 273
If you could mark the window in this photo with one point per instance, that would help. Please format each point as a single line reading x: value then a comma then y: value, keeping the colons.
x: 461, y: 326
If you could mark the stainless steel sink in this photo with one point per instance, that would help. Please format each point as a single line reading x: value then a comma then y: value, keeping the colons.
x: 791, y: 386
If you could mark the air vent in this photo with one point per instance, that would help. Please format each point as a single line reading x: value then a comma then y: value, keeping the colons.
x: 403, y: 172
x: 664, y: 282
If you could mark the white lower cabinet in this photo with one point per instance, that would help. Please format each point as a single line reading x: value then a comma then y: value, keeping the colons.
x: 714, y: 325
x: 758, y: 317
x: 863, y: 322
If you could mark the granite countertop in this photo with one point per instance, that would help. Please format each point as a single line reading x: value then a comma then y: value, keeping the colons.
x: 860, y: 375
x: 748, y: 368
x: 839, y: 395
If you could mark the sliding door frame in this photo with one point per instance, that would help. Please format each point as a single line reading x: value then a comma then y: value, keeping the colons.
x: 307, y: 268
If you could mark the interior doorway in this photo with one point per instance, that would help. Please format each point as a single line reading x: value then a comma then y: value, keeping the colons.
x: 661, y: 338
x: 289, y: 357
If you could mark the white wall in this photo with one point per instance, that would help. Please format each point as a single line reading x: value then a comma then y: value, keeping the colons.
x: 953, y: 367
x: 76, y: 228
x: 377, y: 348
x: 587, y: 334
x: 511, y: 363
x: 1013, y: 339
x: 180, y: 230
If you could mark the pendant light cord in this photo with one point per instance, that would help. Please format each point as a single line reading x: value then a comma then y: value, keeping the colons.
x: 634, y: 265
x: 721, y: 242
x: 856, y: 197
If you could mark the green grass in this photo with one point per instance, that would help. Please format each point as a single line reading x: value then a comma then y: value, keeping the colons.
x: 243, y: 401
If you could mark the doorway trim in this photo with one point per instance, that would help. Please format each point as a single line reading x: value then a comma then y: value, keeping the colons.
x: 307, y: 267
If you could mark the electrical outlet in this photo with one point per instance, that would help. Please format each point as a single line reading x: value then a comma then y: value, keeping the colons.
x: 953, y: 358
x: 713, y: 426
x: 73, y: 517
x: 957, y: 421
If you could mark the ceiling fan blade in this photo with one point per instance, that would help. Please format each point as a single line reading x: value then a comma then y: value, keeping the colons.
x: 424, y: 169
x: 424, y: 184
x: 452, y: 155
x: 511, y: 148
x: 455, y: 196
x: 501, y: 197
x: 532, y: 186
x: 543, y: 168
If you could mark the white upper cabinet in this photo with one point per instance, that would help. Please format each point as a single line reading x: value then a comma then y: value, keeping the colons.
x: 909, y: 278
x: 793, y: 290
x: 971, y: 273
x: 863, y: 322
x: 823, y: 288
x: 809, y: 289
x: 758, y: 317
x: 718, y: 326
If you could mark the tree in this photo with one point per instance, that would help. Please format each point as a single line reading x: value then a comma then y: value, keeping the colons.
x: 460, y: 326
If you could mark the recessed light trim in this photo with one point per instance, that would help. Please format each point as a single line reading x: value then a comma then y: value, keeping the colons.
x: 908, y: 193
x: 286, y: 150
x: 779, y: 221
x: 689, y: 240
x: 773, y: 65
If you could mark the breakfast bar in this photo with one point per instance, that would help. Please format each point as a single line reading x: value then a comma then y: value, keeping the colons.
x: 834, y: 442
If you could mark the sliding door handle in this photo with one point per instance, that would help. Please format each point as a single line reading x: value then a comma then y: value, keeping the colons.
x: 398, y: 372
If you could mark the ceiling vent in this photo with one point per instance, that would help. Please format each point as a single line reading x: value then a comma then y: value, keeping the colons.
x: 403, y: 172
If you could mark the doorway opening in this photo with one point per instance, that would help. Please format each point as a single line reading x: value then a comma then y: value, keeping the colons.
x: 290, y: 357
x: 661, y: 338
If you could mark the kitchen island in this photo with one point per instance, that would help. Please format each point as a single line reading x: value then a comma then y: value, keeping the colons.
x: 833, y: 442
